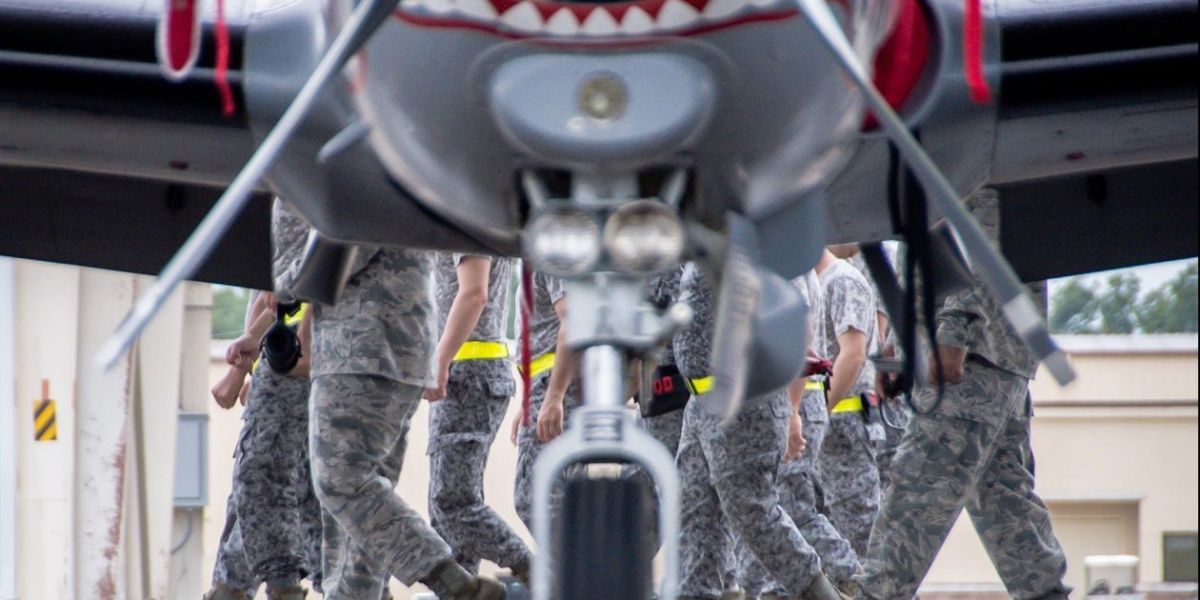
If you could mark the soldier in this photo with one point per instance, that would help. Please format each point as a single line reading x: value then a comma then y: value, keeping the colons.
x: 475, y: 383
x: 798, y: 477
x: 274, y: 510
x: 731, y: 470
x: 896, y: 411
x: 554, y: 390
x: 972, y: 453
x: 372, y: 356
x: 849, y: 477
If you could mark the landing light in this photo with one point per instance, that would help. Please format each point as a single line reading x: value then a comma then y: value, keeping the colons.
x: 644, y: 237
x: 563, y: 242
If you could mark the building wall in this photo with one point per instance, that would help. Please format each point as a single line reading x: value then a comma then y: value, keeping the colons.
x: 1116, y: 456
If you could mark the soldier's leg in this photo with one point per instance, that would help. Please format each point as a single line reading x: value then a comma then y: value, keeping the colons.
x: 935, y: 470
x: 898, y: 416
x: 850, y: 479
x: 358, y: 423
x: 308, y: 518
x: 798, y: 482
x: 701, y: 533
x: 744, y: 459
x: 232, y: 573
x: 666, y: 428
x: 1012, y: 521
x: 461, y: 437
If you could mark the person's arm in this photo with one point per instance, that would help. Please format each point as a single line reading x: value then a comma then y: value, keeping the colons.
x: 960, y: 321
x: 851, y: 358
x: 473, y: 273
x: 566, y: 365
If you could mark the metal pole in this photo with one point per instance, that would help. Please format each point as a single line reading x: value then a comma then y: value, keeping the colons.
x: 603, y: 377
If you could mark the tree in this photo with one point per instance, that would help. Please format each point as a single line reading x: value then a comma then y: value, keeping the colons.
x: 1073, y: 308
x: 229, y: 312
x: 1171, y: 307
x: 1118, y: 302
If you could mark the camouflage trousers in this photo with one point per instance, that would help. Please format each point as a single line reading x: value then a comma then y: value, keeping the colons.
x: 849, y: 479
x: 462, y: 427
x: 798, y: 490
x: 359, y: 429
x: 979, y: 460
x: 666, y: 428
x: 730, y: 472
x: 529, y: 447
x: 897, y: 415
x: 273, y: 509
x: 231, y: 569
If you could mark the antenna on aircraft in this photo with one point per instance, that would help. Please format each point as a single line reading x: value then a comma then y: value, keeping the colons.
x: 985, y: 261
x: 362, y: 23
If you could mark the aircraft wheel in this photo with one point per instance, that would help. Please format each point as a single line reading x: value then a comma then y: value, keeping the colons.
x: 605, y: 540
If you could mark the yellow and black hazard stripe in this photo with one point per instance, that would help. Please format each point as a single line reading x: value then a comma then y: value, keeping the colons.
x: 45, y: 425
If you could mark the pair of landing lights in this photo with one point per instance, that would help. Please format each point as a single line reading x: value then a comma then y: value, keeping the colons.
x: 641, y: 237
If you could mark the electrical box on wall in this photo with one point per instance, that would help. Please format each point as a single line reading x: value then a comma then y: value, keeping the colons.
x: 1180, y: 556
x: 191, y: 461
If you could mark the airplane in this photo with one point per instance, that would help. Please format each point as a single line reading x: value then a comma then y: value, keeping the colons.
x: 604, y: 142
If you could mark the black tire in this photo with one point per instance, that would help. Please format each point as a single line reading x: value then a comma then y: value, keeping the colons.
x: 605, y: 540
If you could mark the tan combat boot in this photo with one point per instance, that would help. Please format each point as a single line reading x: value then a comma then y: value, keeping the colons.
x: 823, y: 589
x: 223, y: 592
x: 733, y: 595
x: 449, y: 581
x: 291, y: 592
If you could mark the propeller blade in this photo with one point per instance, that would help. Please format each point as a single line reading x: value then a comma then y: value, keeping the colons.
x: 362, y: 23
x: 992, y: 269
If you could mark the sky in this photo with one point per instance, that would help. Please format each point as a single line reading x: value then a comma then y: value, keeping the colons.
x: 1152, y: 275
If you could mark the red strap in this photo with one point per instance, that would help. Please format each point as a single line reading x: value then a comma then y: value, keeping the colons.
x: 221, y: 74
x: 526, y: 351
x: 179, y: 38
x: 973, y: 52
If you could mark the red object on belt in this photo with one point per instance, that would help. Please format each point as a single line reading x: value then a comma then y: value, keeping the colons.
x: 821, y: 366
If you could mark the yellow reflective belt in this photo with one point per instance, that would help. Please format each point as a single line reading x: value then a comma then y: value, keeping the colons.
x: 477, y: 350
x: 814, y: 386
x: 846, y: 405
x: 700, y: 385
x: 541, y: 364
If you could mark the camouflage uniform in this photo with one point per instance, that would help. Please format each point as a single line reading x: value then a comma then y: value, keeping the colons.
x: 896, y: 411
x: 463, y: 425
x: 732, y: 471
x: 543, y: 338
x: 273, y: 511
x: 799, y: 479
x: 849, y: 477
x: 973, y: 453
x: 372, y: 360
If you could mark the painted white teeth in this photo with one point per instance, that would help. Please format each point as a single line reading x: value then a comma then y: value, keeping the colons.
x: 600, y: 22
x: 480, y: 9
x: 439, y: 6
x: 636, y: 21
x: 675, y: 14
x: 563, y: 22
x: 719, y: 9
x: 523, y: 17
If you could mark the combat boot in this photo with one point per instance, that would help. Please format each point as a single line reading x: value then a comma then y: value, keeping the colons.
x: 287, y: 592
x: 733, y: 595
x: 449, y: 581
x: 823, y: 589
x: 224, y: 592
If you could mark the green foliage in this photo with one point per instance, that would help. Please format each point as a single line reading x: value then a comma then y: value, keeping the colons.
x: 1171, y: 307
x: 1073, y: 308
x: 229, y: 312
x: 1114, y: 307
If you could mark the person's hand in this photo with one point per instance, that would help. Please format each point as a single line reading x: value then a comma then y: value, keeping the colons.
x: 225, y: 392
x: 796, y: 442
x: 953, y: 360
x: 550, y: 420
x: 242, y: 352
x: 245, y: 393
x: 516, y: 426
x: 437, y: 393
